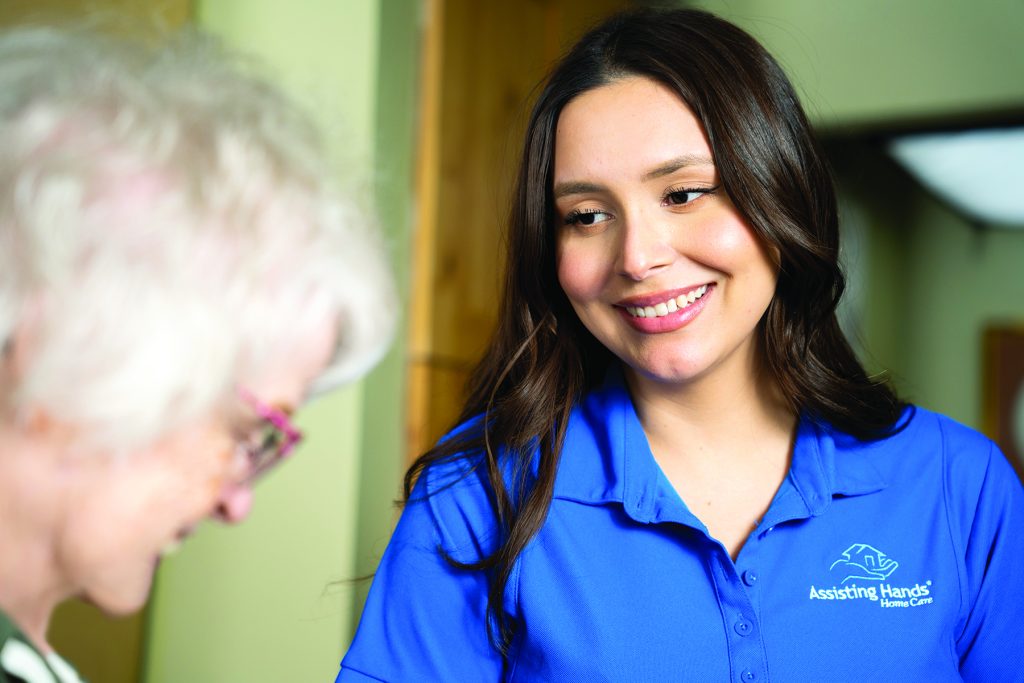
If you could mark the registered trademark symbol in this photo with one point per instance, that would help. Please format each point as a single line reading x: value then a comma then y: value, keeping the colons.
x: 928, y: 582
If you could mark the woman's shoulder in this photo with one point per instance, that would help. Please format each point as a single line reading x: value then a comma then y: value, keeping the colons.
x: 924, y: 425
x: 921, y: 435
x: 975, y: 470
x: 460, y: 476
x: 926, y: 435
x: 452, y: 500
x: 925, y: 445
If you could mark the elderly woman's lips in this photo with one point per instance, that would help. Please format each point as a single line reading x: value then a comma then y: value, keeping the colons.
x: 174, y: 545
x: 170, y: 547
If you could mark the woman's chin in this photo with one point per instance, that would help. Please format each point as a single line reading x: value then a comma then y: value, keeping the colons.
x: 122, y: 599
x: 668, y: 371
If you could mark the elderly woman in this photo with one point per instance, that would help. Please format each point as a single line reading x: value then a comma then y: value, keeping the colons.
x: 177, y: 276
x: 671, y: 466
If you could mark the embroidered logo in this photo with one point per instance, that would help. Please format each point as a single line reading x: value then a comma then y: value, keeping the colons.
x: 862, y: 563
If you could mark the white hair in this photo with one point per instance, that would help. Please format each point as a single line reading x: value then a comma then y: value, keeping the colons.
x: 168, y: 223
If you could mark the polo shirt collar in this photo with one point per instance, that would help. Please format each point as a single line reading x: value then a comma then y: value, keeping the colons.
x: 607, y: 459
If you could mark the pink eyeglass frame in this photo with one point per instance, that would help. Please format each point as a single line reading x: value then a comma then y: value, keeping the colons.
x: 282, y: 422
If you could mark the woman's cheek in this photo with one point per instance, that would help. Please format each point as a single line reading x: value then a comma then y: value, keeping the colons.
x: 581, y: 274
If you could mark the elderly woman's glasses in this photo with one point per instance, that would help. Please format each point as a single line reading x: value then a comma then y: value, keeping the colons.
x: 273, y: 439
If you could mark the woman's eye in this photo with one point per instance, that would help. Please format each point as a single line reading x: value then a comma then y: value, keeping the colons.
x: 271, y: 438
x: 686, y: 195
x: 586, y: 217
x: 259, y: 437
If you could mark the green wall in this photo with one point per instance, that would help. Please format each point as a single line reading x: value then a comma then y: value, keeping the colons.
x: 383, y: 418
x: 879, y: 60
x: 932, y: 283
x: 959, y: 280
x: 273, y: 599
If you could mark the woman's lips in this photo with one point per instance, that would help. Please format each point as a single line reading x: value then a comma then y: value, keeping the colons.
x: 665, y: 311
x: 657, y: 305
x: 174, y: 545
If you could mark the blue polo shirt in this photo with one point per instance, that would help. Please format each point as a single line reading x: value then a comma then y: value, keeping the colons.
x: 897, y: 560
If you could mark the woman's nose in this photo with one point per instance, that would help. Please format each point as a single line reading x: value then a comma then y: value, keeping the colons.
x: 234, y: 503
x: 645, y: 248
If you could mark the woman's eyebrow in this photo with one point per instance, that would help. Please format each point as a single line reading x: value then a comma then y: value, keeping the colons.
x: 673, y: 165
x: 575, y: 187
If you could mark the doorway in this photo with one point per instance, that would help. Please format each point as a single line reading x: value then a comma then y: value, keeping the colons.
x: 481, y: 63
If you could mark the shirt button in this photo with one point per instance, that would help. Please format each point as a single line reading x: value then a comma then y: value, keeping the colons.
x: 748, y: 676
x: 750, y: 577
x: 744, y: 627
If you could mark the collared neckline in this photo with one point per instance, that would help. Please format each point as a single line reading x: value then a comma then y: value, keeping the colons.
x: 608, y: 460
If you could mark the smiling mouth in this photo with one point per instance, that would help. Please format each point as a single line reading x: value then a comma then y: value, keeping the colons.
x: 664, y: 308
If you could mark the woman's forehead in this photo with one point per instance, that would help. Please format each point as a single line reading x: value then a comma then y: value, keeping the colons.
x: 634, y: 127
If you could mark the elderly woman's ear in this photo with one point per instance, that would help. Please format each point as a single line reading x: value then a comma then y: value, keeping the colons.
x: 29, y: 419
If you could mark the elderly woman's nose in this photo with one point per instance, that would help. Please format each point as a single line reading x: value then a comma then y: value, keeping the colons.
x: 234, y: 503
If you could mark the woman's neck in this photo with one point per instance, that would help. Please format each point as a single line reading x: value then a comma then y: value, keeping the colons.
x: 733, y: 413
x: 30, y: 588
x: 724, y: 443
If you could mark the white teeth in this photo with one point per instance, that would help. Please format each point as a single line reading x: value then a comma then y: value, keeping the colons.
x: 666, y: 307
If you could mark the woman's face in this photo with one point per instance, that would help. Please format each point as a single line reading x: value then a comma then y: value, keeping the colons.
x: 126, y: 513
x: 655, y: 259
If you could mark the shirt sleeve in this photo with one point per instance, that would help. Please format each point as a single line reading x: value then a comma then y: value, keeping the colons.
x: 991, y: 643
x: 424, y: 619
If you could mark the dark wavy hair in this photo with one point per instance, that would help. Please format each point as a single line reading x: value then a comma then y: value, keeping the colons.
x: 542, y: 359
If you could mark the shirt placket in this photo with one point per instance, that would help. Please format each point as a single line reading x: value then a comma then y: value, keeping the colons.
x: 736, y: 588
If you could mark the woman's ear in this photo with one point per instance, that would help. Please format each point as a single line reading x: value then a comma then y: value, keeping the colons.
x: 15, y: 357
x: 19, y: 342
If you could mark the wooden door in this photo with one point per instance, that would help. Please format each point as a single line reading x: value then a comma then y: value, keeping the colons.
x: 482, y: 62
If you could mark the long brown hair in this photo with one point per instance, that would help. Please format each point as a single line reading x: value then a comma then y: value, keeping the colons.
x: 542, y: 359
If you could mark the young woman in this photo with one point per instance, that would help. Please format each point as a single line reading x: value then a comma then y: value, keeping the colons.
x: 671, y: 465
x: 177, y: 276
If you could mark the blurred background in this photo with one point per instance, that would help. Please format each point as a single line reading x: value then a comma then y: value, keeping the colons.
x: 425, y: 102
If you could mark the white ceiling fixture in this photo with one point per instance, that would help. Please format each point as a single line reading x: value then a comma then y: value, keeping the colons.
x: 978, y: 172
